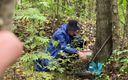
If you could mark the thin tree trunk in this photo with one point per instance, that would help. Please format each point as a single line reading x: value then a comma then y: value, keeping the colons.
x: 115, y: 22
x: 126, y: 29
x: 89, y: 9
x: 78, y: 7
x: 57, y: 8
x: 103, y: 29
x: 19, y: 2
x: 63, y: 4
x: 6, y: 13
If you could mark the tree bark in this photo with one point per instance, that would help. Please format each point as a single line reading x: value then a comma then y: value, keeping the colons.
x: 6, y: 13
x: 78, y: 7
x: 57, y: 8
x: 103, y: 29
x: 126, y: 29
x: 19, y: 2
x: 115, y: 22
x: 89, y: 9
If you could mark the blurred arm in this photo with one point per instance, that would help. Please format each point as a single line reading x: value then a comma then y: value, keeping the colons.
x: 10, y: 49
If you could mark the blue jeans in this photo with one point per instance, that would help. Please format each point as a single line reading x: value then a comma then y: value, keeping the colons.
x: 40, y: 64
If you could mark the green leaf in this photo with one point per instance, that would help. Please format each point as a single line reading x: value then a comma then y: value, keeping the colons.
x: 55, y: 42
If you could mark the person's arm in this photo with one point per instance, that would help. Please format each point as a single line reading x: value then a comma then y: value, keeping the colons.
x: 64, y: 46
x: 10, y: 49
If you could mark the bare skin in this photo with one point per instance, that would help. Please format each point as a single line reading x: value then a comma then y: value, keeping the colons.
x: 10, y: 49
x: 83, y: 55
x: 72, y: 32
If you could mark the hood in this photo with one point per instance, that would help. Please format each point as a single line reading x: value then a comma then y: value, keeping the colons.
x: 63, y: 27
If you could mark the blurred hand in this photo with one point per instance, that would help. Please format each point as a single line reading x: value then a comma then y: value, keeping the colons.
x: 84, y: 55
x: 10, y: 49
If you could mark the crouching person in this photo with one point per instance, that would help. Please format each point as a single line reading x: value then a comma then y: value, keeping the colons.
x: 64, y: 35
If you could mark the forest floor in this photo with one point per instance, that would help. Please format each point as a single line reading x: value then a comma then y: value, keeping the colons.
x: 87, y: 32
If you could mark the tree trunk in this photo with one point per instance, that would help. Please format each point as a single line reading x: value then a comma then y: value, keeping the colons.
x: 19, y: 2
x: 126, y: 29
x: 89, y: 9
x: 57, y: 8
x: 78, y: 7
x: 63, y: 4
x: 115, y: 22
x: 6, y: 13
x: 103, y: 29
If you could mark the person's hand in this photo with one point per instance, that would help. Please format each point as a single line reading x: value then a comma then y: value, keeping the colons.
x: 84, y: 55
x: 10, y: 49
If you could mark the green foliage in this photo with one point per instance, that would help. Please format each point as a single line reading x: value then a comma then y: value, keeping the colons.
x: 119, y: 64
x: 30, y: 19
x: 122, y: 58
x: 30, y: 14
x: 55, y: 42
x: 122, y: 13
x: 29, y: 26
x: 103, y: 77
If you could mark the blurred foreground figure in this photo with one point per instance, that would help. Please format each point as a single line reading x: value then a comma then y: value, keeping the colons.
x: 10, y: 49
x: 10, y: 46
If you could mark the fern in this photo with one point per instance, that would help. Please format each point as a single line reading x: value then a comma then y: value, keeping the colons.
x: 30, y: 14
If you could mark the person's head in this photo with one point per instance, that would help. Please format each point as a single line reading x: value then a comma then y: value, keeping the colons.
x: 73, y: 27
